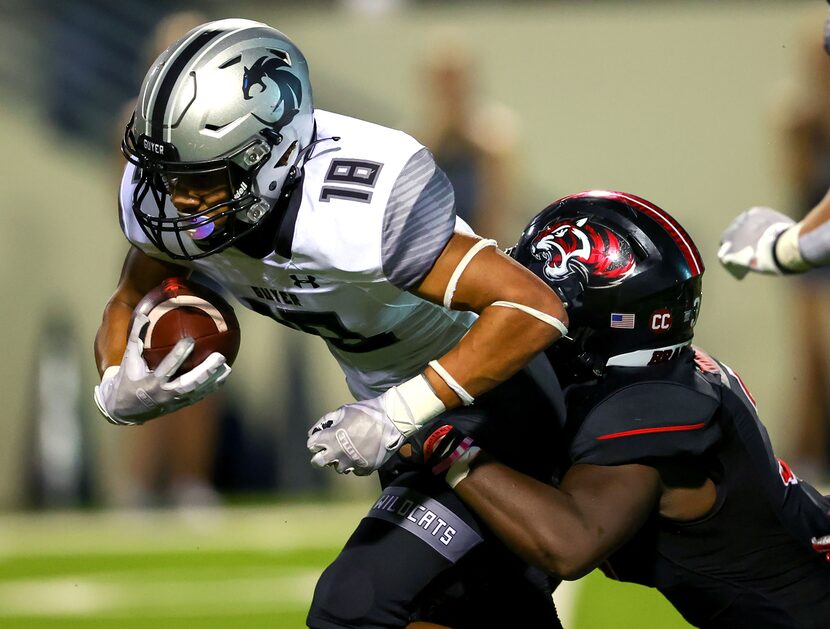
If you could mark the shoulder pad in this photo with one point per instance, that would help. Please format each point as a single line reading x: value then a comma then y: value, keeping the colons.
x: 648, y: 420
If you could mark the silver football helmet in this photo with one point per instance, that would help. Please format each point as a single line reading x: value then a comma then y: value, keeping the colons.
x: 231, y: 97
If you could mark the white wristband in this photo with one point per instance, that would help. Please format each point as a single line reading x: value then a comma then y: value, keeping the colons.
x: 787, y: 251
x: 413, y: 403
x: 461, y: 468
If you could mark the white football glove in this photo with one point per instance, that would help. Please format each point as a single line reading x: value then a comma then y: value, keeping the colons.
x: 131, y: 393
x: 360, y: 437
x: 749, y: 244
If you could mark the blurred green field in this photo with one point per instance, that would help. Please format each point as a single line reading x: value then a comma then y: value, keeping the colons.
x: 237, y: 567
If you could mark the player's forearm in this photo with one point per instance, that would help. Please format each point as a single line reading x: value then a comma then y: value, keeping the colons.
x: 111, y: 339
x: 139, y: 274
x: 814, y: 234
x: 519, y: 315
x: 817, y: 217
x: 538, y: 522
x: 566, y: 530
x: 501, y: 342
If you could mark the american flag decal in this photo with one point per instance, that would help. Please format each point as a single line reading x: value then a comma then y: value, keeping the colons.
x: 621, y: 320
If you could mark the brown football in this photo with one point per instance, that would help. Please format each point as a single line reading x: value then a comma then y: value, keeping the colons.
x: 178, y: 308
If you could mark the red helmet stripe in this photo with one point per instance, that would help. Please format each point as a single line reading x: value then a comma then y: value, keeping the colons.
x: 678, y: 234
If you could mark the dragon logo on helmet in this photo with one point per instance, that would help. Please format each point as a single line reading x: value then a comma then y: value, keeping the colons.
x: 277, y: 68
x: 601, y: 257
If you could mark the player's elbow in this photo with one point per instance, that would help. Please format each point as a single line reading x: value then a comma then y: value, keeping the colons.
x: 564, y: 557
x: 548, y: 301
x: 541, y: 305
x: 573, y: 570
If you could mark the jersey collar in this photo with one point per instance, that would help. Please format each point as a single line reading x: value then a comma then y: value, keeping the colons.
x: 646, y: 357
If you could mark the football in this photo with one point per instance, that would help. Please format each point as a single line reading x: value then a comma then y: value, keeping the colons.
x: 178, y: 308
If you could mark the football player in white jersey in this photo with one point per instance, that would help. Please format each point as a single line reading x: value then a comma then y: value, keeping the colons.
x: 347, y: 230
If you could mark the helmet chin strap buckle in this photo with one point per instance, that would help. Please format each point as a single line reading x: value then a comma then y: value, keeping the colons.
x: 255, y: 213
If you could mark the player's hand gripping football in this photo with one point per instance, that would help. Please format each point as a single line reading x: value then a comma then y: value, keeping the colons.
x: 360, y: 437
x: 747, y: 243
x: 130, y: 394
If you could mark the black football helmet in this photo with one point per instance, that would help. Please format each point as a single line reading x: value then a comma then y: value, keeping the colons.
x: 628, y: 273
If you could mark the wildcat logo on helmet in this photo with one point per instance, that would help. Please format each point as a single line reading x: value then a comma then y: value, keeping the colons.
x: 601, y: 257
x: 277, y: 68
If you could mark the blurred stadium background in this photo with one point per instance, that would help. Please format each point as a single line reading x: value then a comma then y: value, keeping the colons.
x: 671, y: 100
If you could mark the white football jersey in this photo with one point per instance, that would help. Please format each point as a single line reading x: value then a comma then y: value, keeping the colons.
x: 372, y: 216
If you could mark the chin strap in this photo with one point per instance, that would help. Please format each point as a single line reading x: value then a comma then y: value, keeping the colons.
x: 305, y: 154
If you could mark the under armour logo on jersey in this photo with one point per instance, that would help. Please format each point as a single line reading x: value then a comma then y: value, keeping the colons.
x: 299, y: 280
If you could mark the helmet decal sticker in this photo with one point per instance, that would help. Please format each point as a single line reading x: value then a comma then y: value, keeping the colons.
x: 661, y: 321
x: 276, y: 68
x: 623, y: 320
x: 600, y: 256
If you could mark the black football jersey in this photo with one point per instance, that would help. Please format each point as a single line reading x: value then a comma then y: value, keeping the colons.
x: 748, y: 562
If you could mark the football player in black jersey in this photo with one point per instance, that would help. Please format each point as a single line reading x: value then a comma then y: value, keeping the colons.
x: 666, y: 474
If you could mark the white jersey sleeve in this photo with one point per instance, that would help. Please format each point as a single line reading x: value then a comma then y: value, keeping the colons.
x: 418, y: 222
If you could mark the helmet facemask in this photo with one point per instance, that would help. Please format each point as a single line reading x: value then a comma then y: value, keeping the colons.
x: 212, y: 228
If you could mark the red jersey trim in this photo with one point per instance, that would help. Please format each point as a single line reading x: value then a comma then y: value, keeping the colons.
x: 646, y: 431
